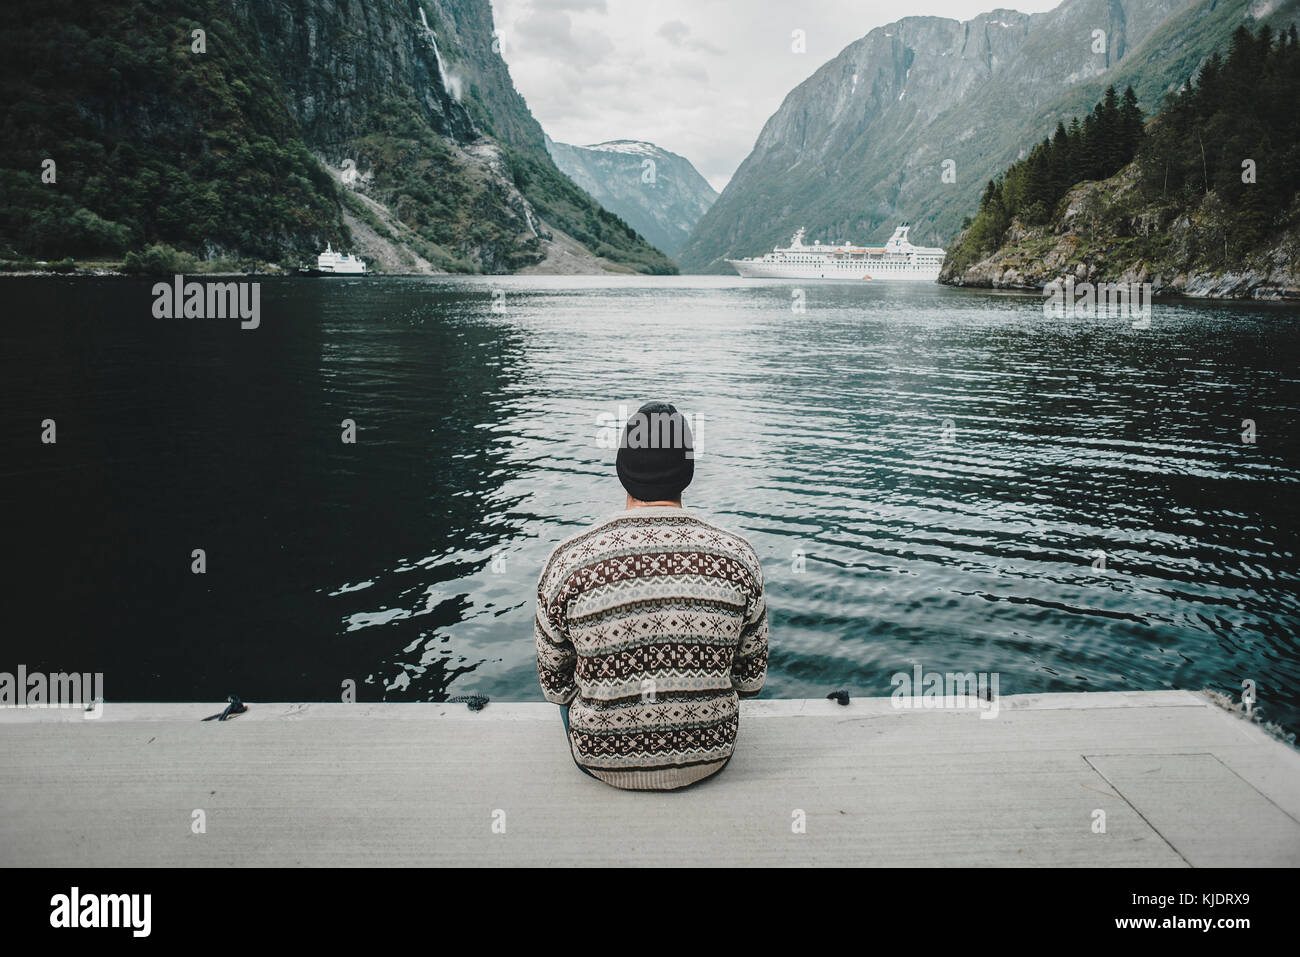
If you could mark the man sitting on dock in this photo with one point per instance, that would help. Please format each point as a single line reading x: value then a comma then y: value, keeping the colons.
x: 652, y: 624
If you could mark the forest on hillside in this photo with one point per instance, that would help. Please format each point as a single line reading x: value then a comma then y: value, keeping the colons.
x: 1227, y: 144
x: 127, y: 139
x: 1234, y: 133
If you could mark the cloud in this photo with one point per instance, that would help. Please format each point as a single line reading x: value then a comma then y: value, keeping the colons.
x: 674, y: 31
x: 690, y: 70
x: 573, y: 6
x: 552, y: 35
x: 679, y: 35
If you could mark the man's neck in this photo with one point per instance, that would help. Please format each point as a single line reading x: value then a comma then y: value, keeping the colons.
x: 637, y: 503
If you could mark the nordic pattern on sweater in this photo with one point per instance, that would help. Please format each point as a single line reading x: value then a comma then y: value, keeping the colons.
x: 651, y: 625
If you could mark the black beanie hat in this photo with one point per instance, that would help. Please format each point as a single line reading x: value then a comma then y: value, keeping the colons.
x: 656, y: 453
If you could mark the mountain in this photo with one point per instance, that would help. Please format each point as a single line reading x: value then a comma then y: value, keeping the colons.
x: 658, y: 193
x: 389, y: 126
x: 862, y: 143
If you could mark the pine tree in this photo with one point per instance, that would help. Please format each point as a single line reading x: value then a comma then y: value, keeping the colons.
x: 1130, y: 124
x: 1091, y: 158
x: 1058, y: 164
x: 1111, y: 133
x: 1207, y: 83
x: 989, y: 192
x: 1038, y: 199
x: 1074, y: 156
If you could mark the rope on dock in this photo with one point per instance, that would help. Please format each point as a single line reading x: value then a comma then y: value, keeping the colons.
x: 476, y: 702
x: 235, y: 707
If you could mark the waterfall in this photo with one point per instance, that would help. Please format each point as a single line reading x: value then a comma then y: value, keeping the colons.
x: 449, y: 83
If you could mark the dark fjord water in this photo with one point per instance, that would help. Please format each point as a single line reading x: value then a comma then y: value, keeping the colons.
x: 407, y: 562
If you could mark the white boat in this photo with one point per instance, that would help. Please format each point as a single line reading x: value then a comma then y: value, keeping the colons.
x: 898, y: 259
x: 338, y: 264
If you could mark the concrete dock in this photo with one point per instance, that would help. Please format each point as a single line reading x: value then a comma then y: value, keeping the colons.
x: 1180, y: 782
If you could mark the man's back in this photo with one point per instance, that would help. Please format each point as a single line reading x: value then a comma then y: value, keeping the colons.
x: 650, y: 625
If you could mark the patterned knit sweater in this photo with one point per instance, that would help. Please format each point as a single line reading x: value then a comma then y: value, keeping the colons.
x: 651, y: 625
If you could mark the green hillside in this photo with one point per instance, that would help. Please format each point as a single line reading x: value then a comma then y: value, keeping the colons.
x: 151, y: 143
x: 206, y: 159
x: 1210, y: 199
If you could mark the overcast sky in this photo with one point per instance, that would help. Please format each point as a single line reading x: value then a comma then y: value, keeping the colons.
x: 697, y: 77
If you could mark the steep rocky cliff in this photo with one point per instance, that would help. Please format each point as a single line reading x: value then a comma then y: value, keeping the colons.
x: 368, y: 81
x: 340, y: 61
x: 389, y: 126
x: 660, y: 194
x: 863, y: 143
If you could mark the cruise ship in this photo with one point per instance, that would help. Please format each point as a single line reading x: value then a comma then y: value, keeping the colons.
x: 898, y: 259
x: 330, y: 263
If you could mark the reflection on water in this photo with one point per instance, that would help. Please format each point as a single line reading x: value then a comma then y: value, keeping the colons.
x: 931, y: 476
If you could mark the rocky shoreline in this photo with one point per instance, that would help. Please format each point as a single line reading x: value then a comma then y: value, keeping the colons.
x: 1095, y: 237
